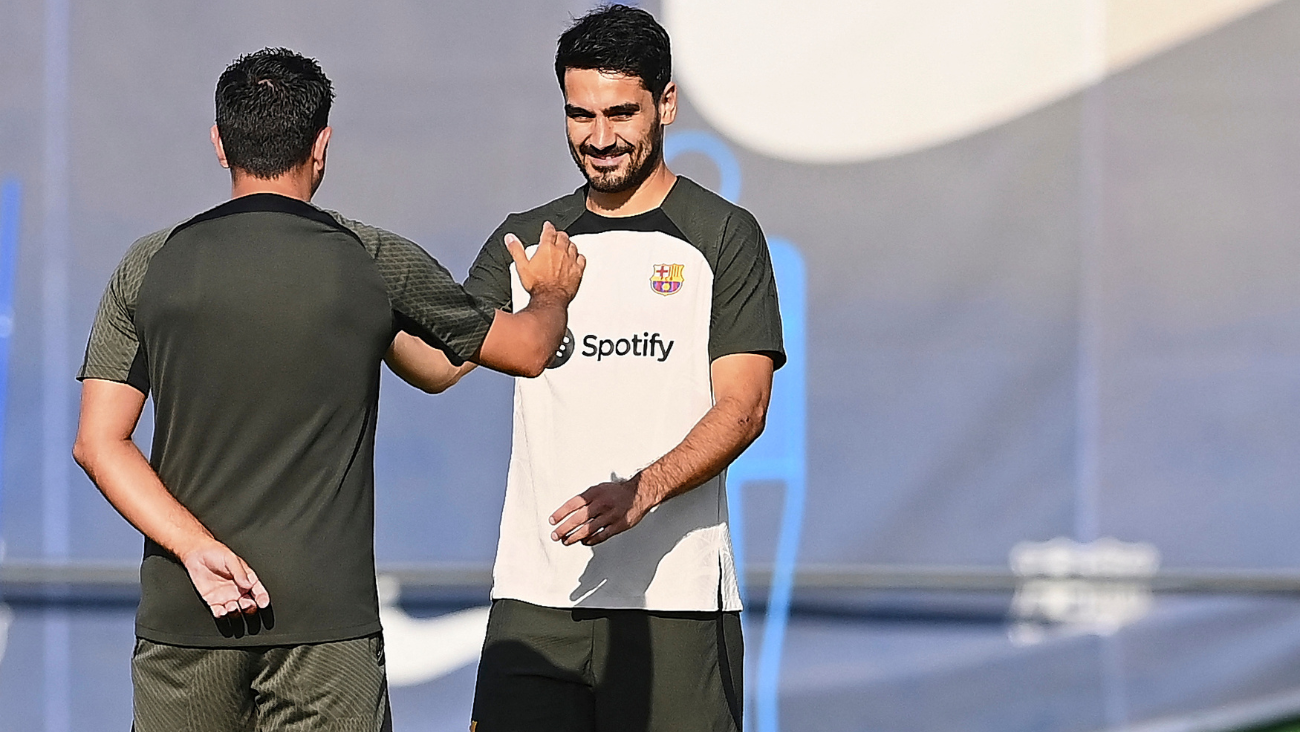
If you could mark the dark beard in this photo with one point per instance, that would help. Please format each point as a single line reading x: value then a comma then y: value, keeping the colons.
x: 637, y: 172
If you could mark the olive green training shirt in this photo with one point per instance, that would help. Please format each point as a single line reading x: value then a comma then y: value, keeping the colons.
x: 258, y: 329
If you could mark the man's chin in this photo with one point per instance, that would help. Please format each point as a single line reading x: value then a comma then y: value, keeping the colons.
x: 609, y: 183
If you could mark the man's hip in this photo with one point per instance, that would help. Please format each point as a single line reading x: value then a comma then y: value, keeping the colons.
x: 592, y: 670
x: 323, y: 687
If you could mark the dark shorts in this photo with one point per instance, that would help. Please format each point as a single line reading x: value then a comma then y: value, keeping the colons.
x: 591, y: 670
x: 322, y: 687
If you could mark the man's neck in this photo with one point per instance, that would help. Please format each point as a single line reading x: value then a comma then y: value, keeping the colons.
x: 291, y: 184
x: 645, y: 197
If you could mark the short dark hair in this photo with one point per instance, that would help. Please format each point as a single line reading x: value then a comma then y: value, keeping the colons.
x: 618, y: 39
x: 270, y: 106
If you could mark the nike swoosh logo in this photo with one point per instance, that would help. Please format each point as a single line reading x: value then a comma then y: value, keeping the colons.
x: 420, y: 650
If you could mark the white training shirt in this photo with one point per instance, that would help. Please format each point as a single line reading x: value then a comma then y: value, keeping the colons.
x: 658, y: 302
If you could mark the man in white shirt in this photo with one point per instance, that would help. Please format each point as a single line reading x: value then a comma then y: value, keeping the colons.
x: 615, y: 601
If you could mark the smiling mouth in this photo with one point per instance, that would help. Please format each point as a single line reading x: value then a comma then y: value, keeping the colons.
x: 606, y: 161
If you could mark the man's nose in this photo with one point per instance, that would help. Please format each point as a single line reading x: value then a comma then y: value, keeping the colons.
x: 602, y: 136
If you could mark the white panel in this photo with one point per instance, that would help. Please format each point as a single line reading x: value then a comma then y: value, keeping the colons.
x: 833, y: 81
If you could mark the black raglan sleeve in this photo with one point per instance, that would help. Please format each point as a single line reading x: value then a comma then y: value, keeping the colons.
x: 489, y: 276
x: 114, y: 351
x: 746, y: 313
x: 427, y: 301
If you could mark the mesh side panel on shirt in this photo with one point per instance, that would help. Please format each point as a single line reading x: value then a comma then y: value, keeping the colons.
x: 424, y: 293
x: 114, y: 344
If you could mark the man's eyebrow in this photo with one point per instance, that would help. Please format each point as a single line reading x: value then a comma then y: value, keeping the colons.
x: 628, y: 108
x: 575, y: 109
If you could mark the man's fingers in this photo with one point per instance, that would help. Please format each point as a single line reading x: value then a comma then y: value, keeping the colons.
x: 582, y: 533
x: 578, y: 533
x: 564, y: 243
x: 516, y: 249
x: 571, y: 505
x: 582, y: 264
x: 575, y: 519
x: 227, y: 600
x: 615, y: 526
x: 592, y: 532
x: 239, y: 573
x: 548, y: 234
x: 226, y: 583
x: 260, y: 595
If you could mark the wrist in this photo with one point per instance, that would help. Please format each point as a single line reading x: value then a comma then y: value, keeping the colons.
x: 193, y: 546
x: 549, y: 294
x: 649, y: 491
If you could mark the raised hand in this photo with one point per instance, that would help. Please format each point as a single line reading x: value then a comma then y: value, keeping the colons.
x: 523, y: 342
x: 555, y: 267
x: 224, y: 581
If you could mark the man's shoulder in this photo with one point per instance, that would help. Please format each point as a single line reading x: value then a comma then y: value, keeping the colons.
x: 561, y: 212
x: 151, y: 242
x: 704, y: 216
x: 373, y: 238
x: 360, y: 228
x: 687, y: 193
x: 137, y: 257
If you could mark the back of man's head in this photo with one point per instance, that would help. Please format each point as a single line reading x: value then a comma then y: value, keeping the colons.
x: 619, y: 39
x: 270, y: 106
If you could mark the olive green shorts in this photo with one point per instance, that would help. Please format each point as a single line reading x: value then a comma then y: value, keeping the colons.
x: 321, y: 687
x: 588, y: 670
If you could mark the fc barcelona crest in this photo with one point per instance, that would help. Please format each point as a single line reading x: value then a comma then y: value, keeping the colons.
x: 667, y: 278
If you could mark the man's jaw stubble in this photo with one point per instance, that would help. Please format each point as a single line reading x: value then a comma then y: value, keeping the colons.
x: 635, y: 175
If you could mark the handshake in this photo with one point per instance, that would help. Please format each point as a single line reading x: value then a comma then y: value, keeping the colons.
x: 524, y: 342
x: 555, y: 269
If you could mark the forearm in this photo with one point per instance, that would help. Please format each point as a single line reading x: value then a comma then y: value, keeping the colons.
x: 130, y: 484
x: 717, y: 439
x: 548, y: 317
x: 523, y: 343
x: 423, y: 366
x: 109, y: 413
x: 742, y: 387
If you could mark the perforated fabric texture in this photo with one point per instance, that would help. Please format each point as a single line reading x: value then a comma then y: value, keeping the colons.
x: 114, y: 346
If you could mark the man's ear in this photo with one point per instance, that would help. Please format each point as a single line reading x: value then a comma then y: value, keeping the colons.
x: 318, y: 148
x: 668, y: 104
x: 216, y: 145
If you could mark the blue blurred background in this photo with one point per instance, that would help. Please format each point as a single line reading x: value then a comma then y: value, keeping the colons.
x: 1042, y: 256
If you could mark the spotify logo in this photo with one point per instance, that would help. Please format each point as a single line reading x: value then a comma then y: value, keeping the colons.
x: 564, y: 352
